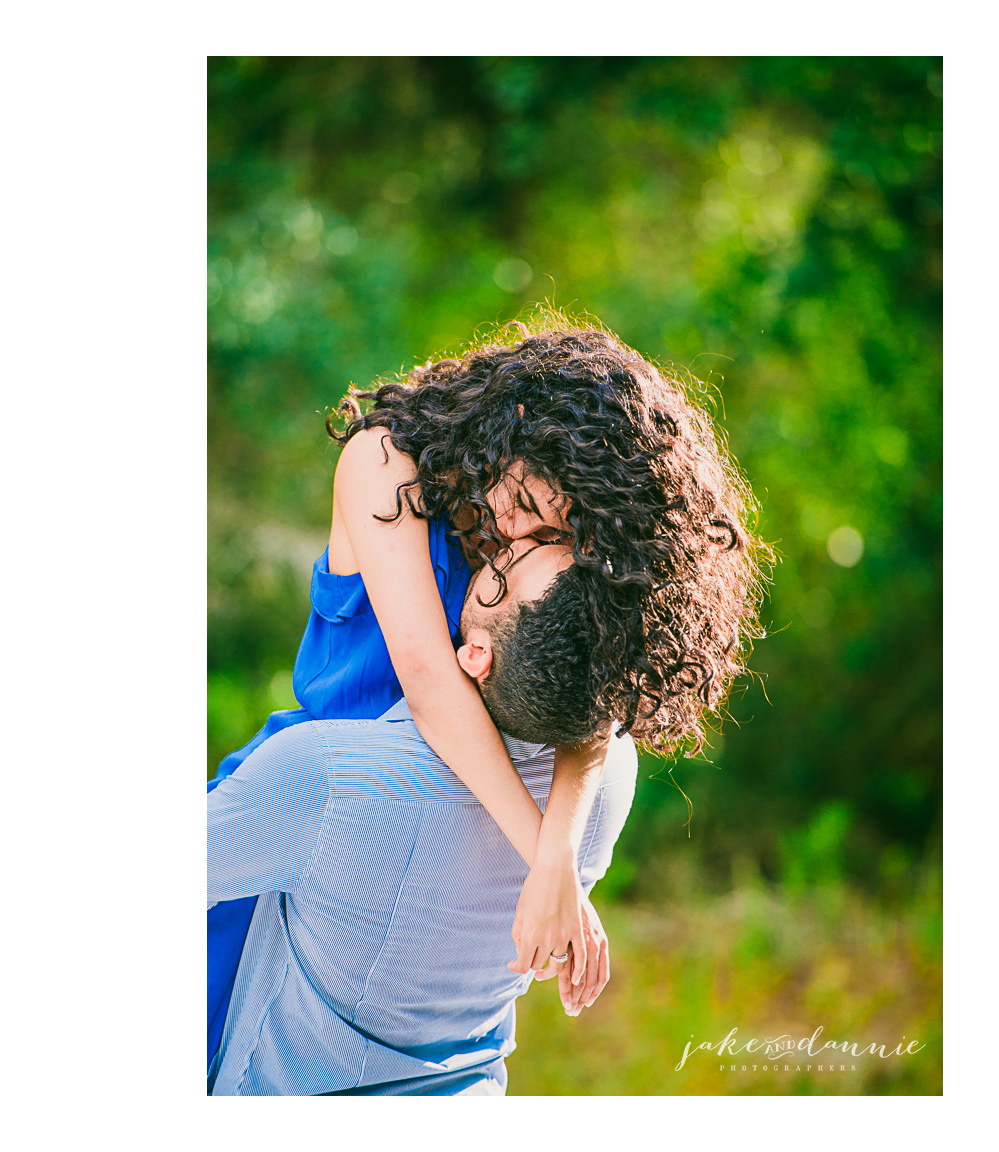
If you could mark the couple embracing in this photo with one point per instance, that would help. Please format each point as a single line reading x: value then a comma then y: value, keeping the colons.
x: 537, y: 552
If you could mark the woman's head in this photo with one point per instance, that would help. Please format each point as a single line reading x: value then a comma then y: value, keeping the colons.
x: 562, y: 428
x: 524, y: 505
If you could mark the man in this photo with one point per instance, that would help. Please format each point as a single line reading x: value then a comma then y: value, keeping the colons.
x: 376, y: 961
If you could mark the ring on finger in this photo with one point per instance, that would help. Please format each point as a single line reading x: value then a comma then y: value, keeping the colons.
x: 560, y: 959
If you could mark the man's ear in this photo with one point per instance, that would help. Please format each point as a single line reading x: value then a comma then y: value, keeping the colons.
x: 475, y: 656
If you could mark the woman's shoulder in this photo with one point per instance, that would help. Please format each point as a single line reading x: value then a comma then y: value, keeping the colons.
x: 371, y: 453
x: 369, y: 475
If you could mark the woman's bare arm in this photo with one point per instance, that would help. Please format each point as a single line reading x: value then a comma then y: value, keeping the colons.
x: 575, y: 781
x: 394, y: 560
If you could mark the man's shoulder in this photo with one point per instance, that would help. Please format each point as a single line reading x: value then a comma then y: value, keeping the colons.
x: 387, y: 758
x: 381, y: 759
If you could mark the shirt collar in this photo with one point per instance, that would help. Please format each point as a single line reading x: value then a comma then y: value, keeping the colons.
x: 398, y: 711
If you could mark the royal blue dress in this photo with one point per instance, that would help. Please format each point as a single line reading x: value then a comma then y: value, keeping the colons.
x: 342, y: 672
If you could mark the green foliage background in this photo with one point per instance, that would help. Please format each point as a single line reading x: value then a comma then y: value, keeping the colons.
x: 774, y: 225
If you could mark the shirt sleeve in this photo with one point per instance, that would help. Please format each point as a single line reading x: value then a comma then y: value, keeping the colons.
x: 265, y: 818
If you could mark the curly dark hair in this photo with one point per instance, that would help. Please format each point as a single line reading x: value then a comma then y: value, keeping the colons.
x: 661, y: 517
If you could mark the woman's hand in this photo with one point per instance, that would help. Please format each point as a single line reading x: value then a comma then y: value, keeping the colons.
x: 577, y: 997
x: 550, y: 919
x: 553, y: 917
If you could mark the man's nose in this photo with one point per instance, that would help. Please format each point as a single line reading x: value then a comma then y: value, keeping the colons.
x: 515, y: 548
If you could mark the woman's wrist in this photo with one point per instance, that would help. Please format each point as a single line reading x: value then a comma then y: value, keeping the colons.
x: 553, y: 851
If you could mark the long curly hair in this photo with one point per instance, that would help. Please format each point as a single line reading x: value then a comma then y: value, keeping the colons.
x: 661, y: 517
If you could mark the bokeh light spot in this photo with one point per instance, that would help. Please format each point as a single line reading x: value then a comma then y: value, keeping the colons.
x: 282, y: 692
x: 745, y: 183
x: 306, y: 222
x: 845, y: 546
x: 891, y: 445
x: 258, y: 300
x: 341, y: 241
x: 513, y: 275
x: 759, y: 156
x: 401, y: 187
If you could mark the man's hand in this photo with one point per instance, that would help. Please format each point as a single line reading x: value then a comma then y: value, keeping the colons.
x: 576, y: 997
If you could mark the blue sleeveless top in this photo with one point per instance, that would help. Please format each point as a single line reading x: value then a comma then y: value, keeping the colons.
x: 342, y: 672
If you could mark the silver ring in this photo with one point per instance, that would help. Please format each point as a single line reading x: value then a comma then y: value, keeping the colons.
x: 560, y: 959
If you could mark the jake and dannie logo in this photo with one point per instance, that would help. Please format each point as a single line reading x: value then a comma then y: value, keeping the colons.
x: 781, y: 1047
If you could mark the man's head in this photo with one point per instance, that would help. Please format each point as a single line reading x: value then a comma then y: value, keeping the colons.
x: 530, y: 652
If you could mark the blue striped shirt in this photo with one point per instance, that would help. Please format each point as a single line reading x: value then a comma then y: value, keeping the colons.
x: 376, y: 957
